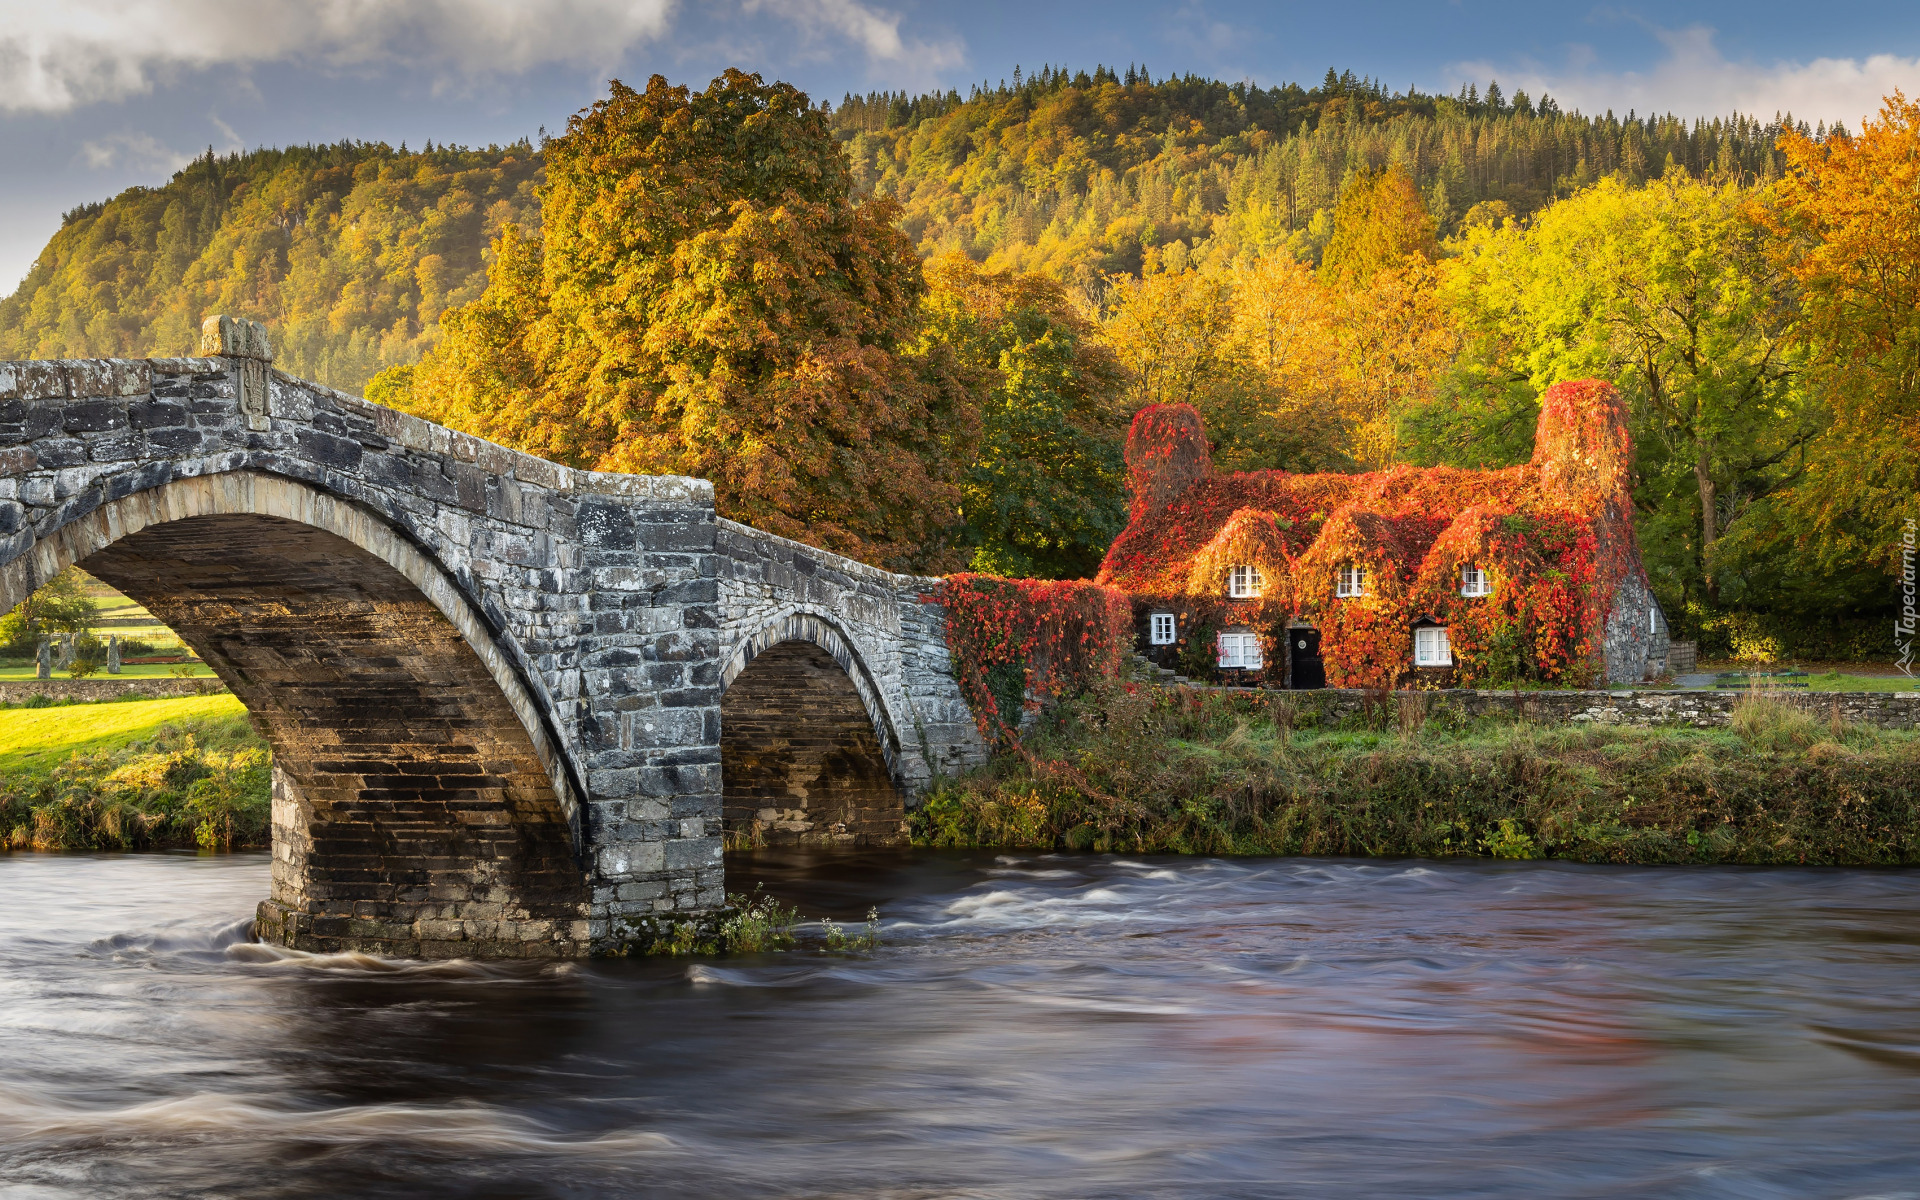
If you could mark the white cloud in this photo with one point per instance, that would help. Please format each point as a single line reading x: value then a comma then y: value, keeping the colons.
x: 137, y: 152
x: 1694, y: 79
x: 59, y: 55
x: 875, y: 31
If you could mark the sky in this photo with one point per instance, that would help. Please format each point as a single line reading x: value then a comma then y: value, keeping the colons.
x: 100, y: 95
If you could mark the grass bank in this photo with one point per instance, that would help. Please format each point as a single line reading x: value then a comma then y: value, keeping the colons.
x: 133, y: 775
x: 1136, y: 769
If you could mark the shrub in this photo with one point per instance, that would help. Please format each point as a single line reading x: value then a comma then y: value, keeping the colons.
x: 172, y: 793
x: 1778, y: 637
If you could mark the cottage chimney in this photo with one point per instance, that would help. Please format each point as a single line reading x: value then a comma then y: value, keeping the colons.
x: 1166, y: 454
x: 1582, y: 446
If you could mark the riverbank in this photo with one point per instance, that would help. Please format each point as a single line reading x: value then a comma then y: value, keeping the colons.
x: 133, y: 775
x: 1140, y: 770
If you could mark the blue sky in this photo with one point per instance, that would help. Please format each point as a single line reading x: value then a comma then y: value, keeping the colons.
x: 99, y: 95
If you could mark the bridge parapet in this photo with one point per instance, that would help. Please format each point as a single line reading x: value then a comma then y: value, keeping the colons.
x: 599, y: 612
x: 883, y: 629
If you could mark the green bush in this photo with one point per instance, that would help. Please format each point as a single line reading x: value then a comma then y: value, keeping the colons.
x: 1776, y: 637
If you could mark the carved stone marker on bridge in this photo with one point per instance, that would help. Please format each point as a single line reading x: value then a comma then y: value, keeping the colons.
x: 513, y: 706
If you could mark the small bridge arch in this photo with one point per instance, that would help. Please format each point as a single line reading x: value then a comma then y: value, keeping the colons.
x: 809, y: 751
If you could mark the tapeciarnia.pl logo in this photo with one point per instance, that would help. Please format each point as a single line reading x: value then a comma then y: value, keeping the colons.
x: 1904, y: 625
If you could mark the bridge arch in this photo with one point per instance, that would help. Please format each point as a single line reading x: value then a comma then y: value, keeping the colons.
x: 809, y: 747
x: 421, y: 804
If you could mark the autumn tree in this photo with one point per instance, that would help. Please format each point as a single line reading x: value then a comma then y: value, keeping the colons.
x: 1247, y: 348
x: 1381, y: 223
x: 1044, y: 494
x: 1846, y: 224
x: 706, y: 299
x: 1289, y: 367
x: 1285, y: 338
x: 1664, y: 290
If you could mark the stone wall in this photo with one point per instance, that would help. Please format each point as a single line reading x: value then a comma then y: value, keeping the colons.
x: 1633, y: 641
x: 107, y: 687
x: 1887, y: 710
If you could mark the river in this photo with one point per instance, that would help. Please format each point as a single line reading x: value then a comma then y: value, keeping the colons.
x: 1032, y: 1025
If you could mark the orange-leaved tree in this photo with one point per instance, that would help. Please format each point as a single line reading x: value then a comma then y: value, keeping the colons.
x: 1846, y: 223
x: 1380, y: 224
x: 705, y: 298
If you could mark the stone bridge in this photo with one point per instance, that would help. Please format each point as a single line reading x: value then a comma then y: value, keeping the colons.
x: 515, y: 709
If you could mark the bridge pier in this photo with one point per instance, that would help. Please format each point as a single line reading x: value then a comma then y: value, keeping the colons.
x: 495, y: 687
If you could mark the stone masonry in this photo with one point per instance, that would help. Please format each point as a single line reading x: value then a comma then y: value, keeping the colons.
x: 88, y: 690
x: 1703, y: 709
x: 495, y: 686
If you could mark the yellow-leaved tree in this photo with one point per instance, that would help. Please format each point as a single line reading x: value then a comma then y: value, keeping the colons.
x: 1292, y: 367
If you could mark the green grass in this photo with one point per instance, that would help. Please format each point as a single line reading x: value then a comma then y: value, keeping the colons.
x: 33, y: 741
x: 133, y: 775
x: 1150, y: 771
x: 117, y: 605
x: 1834, y: 681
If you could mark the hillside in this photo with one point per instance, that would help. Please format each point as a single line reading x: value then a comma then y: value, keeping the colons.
x: 1076, y: 176
x: 351, y: 252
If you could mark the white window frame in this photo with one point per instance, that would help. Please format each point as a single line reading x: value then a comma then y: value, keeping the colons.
x: 1474, y: 581
x: 1238, y: 648
x: 1244, y: 582
x: 1161, y: 629
x: 1431, y: 648
x: 1353, y: 581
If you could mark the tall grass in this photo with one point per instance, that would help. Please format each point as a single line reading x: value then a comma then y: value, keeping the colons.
x: 1139, y: 770
x: 1762, y: 718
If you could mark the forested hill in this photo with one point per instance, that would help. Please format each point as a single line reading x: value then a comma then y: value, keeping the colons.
x: 351, y: 252
x: 1079, y: 174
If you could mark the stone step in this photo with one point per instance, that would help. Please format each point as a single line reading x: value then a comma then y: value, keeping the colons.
x: 1159, y: 675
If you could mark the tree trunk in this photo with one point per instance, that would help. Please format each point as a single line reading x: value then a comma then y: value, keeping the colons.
x: 1708, y: 533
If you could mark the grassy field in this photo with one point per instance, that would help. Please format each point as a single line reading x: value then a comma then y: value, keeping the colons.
x: 35, y: 740
x: 1836, y: 681
x: 116, y: 615
x: 135, y: 774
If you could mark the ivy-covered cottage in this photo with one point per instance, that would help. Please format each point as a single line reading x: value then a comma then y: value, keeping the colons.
x: 1394, y: 578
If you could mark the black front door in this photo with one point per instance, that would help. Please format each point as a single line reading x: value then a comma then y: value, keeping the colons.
x: 1304, y: 646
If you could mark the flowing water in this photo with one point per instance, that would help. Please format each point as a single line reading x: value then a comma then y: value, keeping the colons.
x: 1068, y: 1026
